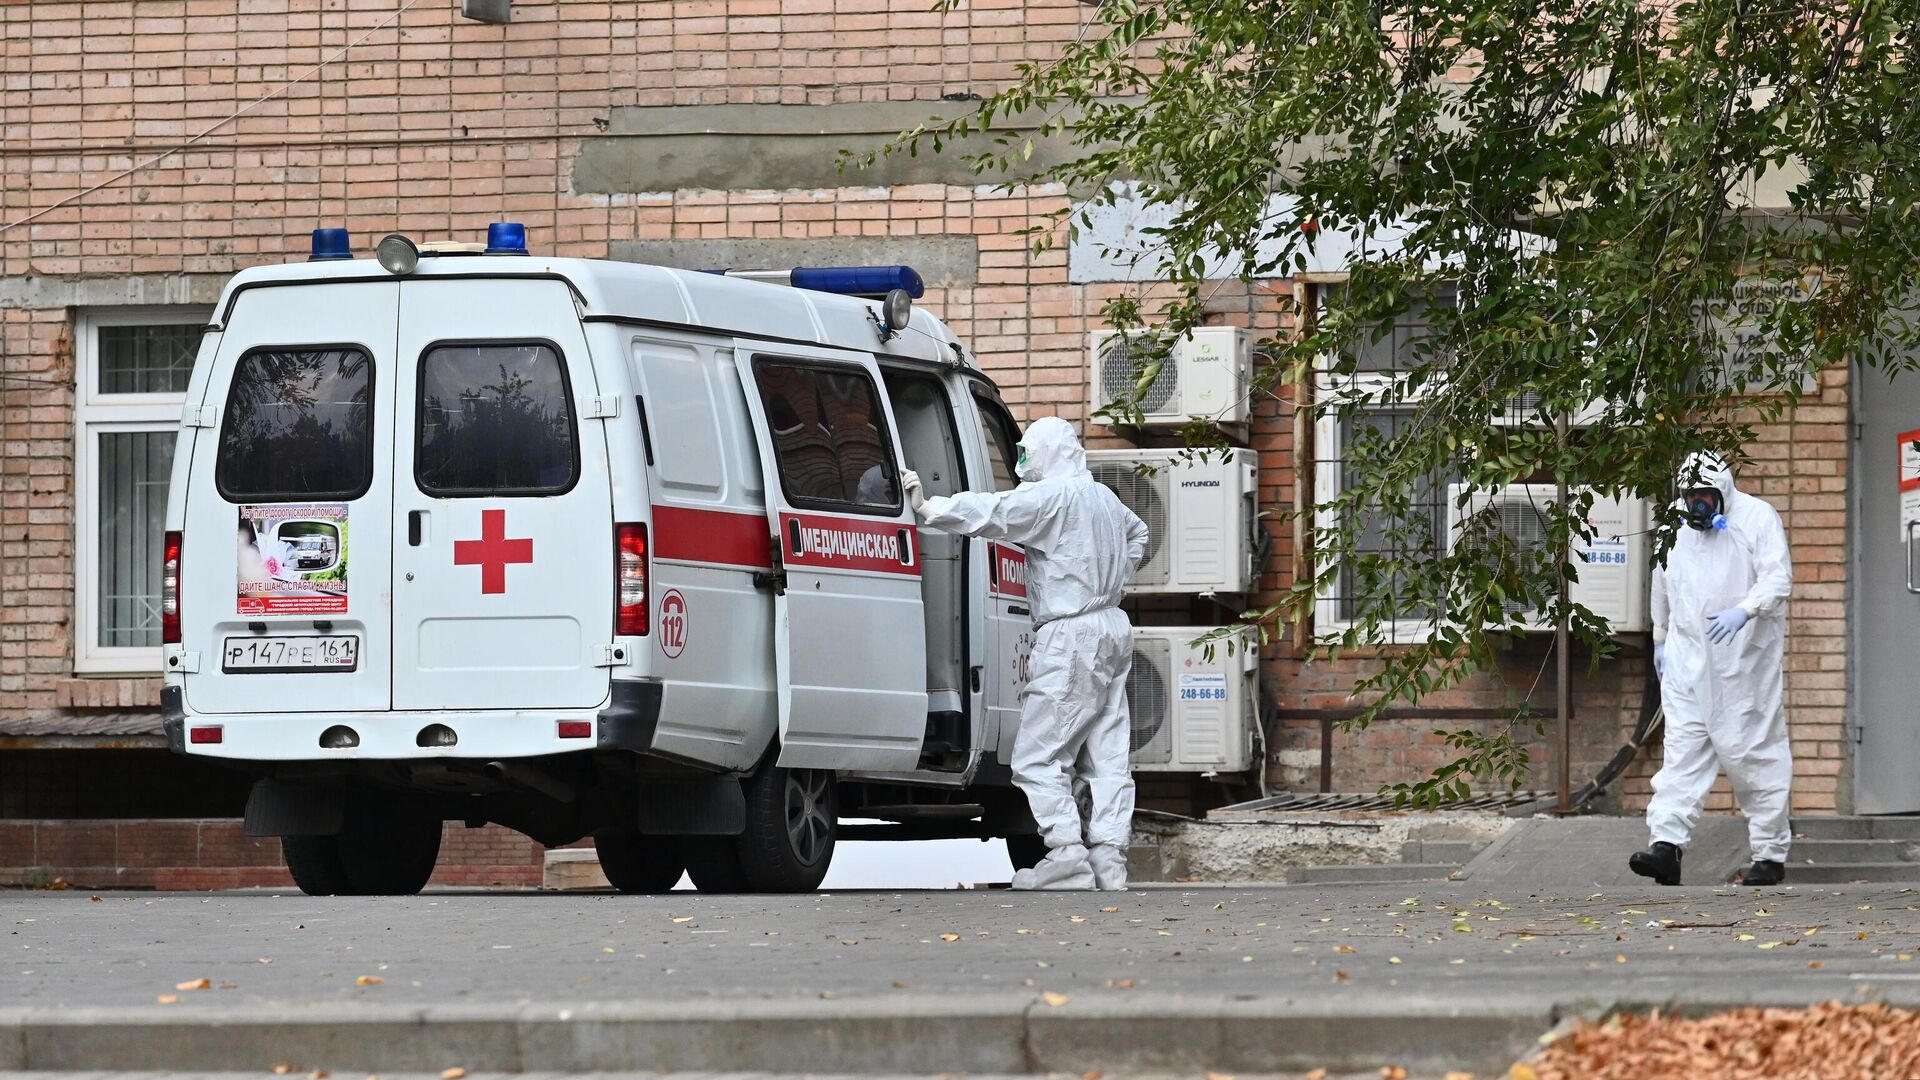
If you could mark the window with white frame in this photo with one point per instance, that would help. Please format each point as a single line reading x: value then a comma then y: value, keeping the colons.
x: 1378, y: 366
x: 132, y: 366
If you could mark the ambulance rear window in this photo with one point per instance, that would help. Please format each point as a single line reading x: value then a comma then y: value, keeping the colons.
x: 829, y: 438
x: 298, y: 425
x: 495, y: 419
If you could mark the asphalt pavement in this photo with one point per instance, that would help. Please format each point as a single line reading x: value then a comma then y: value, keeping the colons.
x: 1251, y: 980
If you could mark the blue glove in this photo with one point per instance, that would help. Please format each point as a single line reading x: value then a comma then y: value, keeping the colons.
x: 1722, y: 627
x: 1660, y: 662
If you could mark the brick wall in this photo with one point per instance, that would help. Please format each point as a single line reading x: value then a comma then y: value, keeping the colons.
x: 435, y: 126
x: 215, y: 853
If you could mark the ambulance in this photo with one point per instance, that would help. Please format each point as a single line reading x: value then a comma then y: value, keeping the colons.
x: 589, y: 548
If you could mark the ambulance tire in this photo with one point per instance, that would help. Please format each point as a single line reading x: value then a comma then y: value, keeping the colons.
x: 314, y: 862
x: 389, y: 854
x: 637, y: 863
x: 713, y: 865
x: 1025, y: 852
x: 793, y: 821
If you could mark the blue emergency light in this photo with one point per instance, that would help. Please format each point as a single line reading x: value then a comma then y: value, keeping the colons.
x: 329, y: 245
x: 858, y: 280
x: 506, y: 238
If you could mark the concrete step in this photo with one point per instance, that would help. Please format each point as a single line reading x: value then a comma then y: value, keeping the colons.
x: 1440, y: 851
x: 1842, y: 873
x: 1840, y: 851
x: 1857, y: 828
x: 1379, y: 874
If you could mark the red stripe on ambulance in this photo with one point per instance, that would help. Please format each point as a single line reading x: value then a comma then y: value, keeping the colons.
x: 711, y: 536
x: 836, y: 543
x: 1009, y: 570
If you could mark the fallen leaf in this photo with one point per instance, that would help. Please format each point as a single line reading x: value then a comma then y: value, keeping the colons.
x: 368, y: 980
x: 1744, y: 937
x: 1861, y: 936
x: 1092, y: 1074
x: 1458, y: 1076
x: 898, y: 985
x: 1620, y: 958
x: 1770, y: 945
x: 95, y: 899
x: 951, y: 937
x: 1343, y: 948
x: 1119, y: 984
x: 1055, y: 1000
x: 1219, y: 1076
x: 282, y: 1068
x: 608, y: 948
x: 1815, y: 964
x: 1317, y: 1074
x: 1341, y: 976
x: 319, y: 1074
x: 1110, y: 909
x: 454, y: 1073
x: 684, y: 919
x: 828, y: 995
x: 266, y: 959
x: 1393, y: 959
x: 168, y: 999
x: 849, y: 941
x: 1522, y: 1071
x: 1392, y: 1072
x: 1076, y: 918
x: 1163, y: 933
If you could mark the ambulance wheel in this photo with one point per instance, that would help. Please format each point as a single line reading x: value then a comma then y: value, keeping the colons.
x: 314, y: 862
x: 713, y: 864
x: 792, y: 822
x: 1025, y: 852
x: 637, y: 863
x: 388, y: 854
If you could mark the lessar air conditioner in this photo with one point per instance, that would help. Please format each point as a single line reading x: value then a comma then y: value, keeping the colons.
x: 1612, y: 567
x: 1202, y: 525
x: 1203, y: 375
x: 1190, y: 713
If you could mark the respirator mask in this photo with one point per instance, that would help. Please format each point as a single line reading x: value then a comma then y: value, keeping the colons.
x: 1705, y: 509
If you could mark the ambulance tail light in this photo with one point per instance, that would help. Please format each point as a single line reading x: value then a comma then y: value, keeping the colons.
x: 170, y: 590
x: 630, y: 575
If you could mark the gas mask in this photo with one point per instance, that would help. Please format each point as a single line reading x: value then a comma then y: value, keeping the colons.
x: 1024, y: 468
x: 1705, y: 509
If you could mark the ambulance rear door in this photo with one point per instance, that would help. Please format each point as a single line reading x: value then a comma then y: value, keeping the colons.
x: 284, y: 573
x: 503, y: 594
x: 849, y: 639
x: 1010, y: 635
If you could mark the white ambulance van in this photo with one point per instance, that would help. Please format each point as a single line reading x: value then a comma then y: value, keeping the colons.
x: 589, y: 548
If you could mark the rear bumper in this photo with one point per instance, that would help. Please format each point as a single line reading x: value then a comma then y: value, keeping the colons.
x: 626, y: 722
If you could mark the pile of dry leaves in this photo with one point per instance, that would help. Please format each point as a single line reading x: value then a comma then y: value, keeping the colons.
x: 1825, y: 1042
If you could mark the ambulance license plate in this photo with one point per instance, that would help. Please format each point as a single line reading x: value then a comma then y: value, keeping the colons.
x: 337, y: 652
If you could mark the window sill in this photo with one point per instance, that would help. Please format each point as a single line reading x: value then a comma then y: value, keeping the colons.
x: 108, y: 691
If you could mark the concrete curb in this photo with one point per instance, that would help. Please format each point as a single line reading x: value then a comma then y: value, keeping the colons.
x: 997, y: 1034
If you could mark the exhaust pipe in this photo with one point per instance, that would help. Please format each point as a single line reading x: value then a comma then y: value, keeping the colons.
x: 528, y: 778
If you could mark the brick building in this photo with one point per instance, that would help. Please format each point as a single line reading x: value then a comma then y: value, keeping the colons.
x: 151, y: 148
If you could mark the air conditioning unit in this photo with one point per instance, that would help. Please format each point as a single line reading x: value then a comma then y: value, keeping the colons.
x: 1613, y: 566
x: 1190, y: 713
x: 1202, y: 527
x: 1204, y: 374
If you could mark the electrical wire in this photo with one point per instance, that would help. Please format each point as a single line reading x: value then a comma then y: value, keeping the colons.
x: 215, y: 126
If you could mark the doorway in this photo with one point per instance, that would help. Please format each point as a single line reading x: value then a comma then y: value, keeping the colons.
x: 1884, y: 721
x: 931, y: 443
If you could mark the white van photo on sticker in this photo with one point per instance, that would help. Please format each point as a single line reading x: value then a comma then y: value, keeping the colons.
x: 291, y: 560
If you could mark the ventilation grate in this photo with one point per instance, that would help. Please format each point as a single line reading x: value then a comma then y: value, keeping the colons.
x: 1337, y: 802
x: 1121, y: 358
x: 1146, y: 495
x: 1149, y: 702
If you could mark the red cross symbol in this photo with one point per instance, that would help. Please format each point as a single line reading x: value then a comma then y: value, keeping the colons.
x: 493, y: 551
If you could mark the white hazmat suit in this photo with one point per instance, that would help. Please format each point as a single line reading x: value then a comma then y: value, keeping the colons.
x: 1082, y: 545
x: 1719, y: 627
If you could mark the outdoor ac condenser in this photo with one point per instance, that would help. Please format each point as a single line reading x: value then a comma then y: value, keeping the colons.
x: 1200, y: 517
x: 1204, y: 374
x: 1191, y: 713
x: 1613, y: 568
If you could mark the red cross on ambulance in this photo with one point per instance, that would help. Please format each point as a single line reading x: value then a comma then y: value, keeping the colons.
x: 493, y: 551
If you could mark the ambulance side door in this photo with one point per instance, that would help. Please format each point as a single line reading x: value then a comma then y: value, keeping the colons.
x: 1009, y: 631
x: 849, y: 637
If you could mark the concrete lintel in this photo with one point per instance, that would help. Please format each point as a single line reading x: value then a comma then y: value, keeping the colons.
x: 942, y: 261
x: 781, y: 147
x: 115, y: 290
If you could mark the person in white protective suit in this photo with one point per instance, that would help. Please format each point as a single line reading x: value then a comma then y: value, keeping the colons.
x: 1082, y: 545
x: 1719, y: 627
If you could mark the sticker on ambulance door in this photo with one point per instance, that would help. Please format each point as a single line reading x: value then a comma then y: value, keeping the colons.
x: 673, y: 624
x: 291, y: 559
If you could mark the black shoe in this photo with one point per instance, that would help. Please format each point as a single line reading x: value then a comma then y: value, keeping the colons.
x: 1661, y: 862
x: 1763, y: 872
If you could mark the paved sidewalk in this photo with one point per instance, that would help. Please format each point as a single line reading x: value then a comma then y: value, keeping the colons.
x: 1462, y: 975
